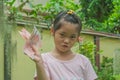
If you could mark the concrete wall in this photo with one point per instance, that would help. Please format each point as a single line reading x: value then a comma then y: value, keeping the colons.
x: 109, y: 46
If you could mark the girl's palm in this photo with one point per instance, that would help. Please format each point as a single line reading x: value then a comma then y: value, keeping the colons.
x: 31, y: 44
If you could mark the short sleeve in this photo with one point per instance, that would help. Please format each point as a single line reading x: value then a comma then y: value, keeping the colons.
x: 89, y: 71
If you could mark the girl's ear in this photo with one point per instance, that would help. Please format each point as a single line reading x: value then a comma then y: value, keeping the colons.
x: 80, y: 39
x: 52, y: 31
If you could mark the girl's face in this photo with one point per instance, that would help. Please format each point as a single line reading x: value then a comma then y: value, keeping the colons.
x: 66, y: 36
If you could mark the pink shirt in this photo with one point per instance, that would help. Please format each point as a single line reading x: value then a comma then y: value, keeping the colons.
x: 79, y: 68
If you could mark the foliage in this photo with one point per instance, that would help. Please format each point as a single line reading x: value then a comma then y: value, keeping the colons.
x: 113, y: 22
x: 117, y: 77
x: 87, y: 48
x: 12, y: 9
x: 52, y: 8
x: 106, y: 69
x: 106, y: 66
x: 45, y: 12
x: 102, y: 15
x: 99, y: 15
x: 96, y: 12
x: 98, y: 9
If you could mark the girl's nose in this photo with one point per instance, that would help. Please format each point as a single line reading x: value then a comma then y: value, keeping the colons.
x: 66, y: 40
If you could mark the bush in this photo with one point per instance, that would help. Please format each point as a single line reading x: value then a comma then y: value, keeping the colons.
x: 106, y: 66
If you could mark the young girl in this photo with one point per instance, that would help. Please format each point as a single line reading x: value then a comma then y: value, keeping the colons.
x: 62, y: 63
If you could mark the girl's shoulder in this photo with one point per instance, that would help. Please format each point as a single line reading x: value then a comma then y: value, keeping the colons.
x: 46, y: 56
x: 83, y: 58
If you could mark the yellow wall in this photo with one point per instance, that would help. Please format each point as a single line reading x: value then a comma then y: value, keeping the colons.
x: 109, y: 45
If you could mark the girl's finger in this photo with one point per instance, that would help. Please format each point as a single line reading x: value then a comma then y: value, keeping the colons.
x: 35, y: 49
x: 25, y: 34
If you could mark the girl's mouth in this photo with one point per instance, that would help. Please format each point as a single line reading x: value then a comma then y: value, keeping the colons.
x: 65, y: 46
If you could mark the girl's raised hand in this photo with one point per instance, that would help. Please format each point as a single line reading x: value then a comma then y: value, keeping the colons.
x: 25, y: 34
x: 32, y: 43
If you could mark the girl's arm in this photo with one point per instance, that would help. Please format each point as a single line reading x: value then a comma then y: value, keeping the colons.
x: 37, y: 58
x: 41, y: 74
x: 31, y: 50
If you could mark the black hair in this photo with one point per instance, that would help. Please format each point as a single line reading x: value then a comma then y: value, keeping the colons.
x: 68, y: 17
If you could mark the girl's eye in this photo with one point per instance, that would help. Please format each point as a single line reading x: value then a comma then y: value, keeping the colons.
x: 72, y: 37
x: 62, y: 35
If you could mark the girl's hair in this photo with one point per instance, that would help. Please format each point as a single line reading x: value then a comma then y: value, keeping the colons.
x: 68, y: 16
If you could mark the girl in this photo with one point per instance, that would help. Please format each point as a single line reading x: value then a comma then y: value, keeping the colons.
x: 62, y: 63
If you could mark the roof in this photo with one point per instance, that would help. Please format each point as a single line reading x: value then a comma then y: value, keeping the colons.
x: 104, y: 34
